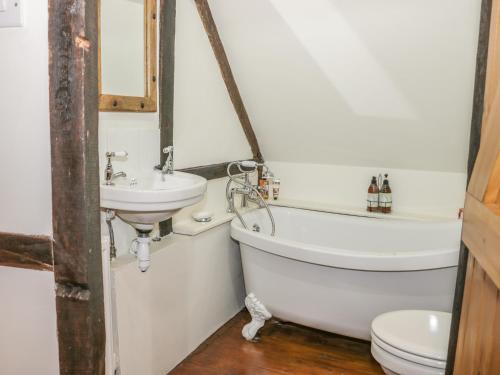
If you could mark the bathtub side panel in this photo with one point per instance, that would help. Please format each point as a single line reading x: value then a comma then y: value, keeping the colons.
x: 339, y: 300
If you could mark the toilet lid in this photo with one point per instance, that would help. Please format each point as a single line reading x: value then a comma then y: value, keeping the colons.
x: 419, y: 332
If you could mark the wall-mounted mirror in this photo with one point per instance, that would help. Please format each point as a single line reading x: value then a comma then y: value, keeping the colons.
x: 127, y: 55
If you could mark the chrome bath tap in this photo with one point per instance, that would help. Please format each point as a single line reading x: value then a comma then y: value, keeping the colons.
x: 246, y: 189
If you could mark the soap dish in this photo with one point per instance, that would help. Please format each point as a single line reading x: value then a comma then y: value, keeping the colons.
x: 202, y: 216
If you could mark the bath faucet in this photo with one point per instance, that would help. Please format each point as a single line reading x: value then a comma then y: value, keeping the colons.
x: 109, y: 174
x: 168, y: 167
x: 246, y: 195
x: 246, y: 189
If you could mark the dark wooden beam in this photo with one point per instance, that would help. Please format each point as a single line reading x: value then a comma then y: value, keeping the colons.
x: 22, y: 251
x: 479, y: 84
x: 166, y: 76
x: 73, y: 70
x: 475, y: 139
x: 167, y: 73
x: 210, y: 172
x: 227, y: 75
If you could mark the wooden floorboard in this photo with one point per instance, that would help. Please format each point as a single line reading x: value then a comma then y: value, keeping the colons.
x: 281, y: 348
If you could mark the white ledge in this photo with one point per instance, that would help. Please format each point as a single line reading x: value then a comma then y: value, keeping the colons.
x: 189, y: 227
x: 357, y: 211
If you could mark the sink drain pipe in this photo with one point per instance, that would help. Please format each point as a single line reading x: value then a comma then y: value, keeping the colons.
x: 142, y: 250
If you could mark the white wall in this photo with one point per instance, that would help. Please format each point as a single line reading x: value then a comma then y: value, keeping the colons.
x: 28, y: 336
x: 415, y: 192
x: 206, y: 128
x: 385, y: 83
x: 25, y: 191
x: 28, y: 339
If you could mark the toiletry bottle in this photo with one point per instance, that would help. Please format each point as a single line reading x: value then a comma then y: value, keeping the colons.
x: 372, y: 201
x: 385, y: 197
x: 265, y: 184
x: 276, y: 188
x: 263, y: 189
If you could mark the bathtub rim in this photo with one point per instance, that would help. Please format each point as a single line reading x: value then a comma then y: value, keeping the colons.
x: 340, y: 258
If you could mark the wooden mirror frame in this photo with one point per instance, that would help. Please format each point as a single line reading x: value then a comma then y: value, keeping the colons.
x: 147, y: 103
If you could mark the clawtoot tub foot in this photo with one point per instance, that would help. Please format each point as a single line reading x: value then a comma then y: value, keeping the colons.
x: 259, y: 315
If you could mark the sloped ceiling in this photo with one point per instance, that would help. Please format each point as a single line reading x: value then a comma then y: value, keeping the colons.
x: 384, y: 83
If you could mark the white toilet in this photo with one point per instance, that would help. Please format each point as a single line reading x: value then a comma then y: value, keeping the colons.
x: 411, y: 342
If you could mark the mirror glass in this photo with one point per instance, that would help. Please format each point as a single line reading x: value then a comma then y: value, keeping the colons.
x: 122, y: 30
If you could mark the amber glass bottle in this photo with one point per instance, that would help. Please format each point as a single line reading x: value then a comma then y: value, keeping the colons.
x: 385, y: 197
x: 372, y: 201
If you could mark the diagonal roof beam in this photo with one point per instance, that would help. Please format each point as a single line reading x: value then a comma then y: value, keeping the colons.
x: 227, y: 74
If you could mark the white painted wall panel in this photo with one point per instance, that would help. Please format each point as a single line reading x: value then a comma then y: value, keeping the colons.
x: 25, y: 188
x: 194, y: 286
x: 416, y: 192
x: 206, y: 128
x: 28, y: 332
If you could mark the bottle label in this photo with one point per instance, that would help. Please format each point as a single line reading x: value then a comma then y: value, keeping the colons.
x: 276, y: 192
x: 372, y: 200
x: 385, y: 200
x: 264, y: 189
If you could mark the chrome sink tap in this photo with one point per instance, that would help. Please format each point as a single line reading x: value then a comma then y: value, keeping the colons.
x: 109, y: 174
x: 168, y: 167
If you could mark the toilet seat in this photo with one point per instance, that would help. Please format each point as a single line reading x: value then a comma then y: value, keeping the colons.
x: 408, y: 356
x: 411, y: 341
x: 394, y: 365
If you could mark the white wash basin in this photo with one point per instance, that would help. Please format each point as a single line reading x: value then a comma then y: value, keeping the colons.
x: 152, y: 198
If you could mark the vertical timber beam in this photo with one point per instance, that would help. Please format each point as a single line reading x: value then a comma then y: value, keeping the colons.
x: 166, y: 75
x: 227, y: 74
x: 479, y: 84
x: 74, y: 107
x: 475, y: 139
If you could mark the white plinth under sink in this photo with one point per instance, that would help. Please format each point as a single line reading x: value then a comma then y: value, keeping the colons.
x: 144, y: 201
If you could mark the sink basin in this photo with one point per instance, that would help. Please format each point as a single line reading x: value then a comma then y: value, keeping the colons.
x: 152, y: 198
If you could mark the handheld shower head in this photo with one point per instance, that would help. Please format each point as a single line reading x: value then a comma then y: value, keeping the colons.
x: 249, y: 164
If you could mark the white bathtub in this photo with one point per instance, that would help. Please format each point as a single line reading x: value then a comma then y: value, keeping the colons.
x: 337, y: 272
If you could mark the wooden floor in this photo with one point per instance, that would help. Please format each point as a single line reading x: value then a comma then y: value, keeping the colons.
x: 282, y: 348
